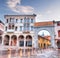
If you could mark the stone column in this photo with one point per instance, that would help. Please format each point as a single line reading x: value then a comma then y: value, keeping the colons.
x: 17, y: 41
x: 10, y: 41
x: 53, y: 41
x: 24, y: 45
x: 36, y: 39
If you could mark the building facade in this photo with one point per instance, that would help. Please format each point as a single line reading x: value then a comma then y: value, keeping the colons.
x: 19, y: 31
x: 43, y: 42
x: 1, y: 31
x: 57, y: 33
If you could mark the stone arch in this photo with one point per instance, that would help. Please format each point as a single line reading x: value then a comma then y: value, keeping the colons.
x: 13, y: 40
x: 29, y: 40
x: 6, y: 39
x: 50, y: 29
x: 21, y: 40
x: 44, y: 32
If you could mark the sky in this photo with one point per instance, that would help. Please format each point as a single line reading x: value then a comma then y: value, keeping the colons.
x: 46, y: 10
x: 44, y: 33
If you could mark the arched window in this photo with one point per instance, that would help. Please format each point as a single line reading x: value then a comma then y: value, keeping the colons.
x: 13, y: 40
x: 21, y: 40
x: 0, y: 39
x: 29, y: 41
x: 58, y: 33
x: 6, y: 40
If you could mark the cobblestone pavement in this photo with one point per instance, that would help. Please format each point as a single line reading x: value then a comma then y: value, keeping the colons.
x: 40, y: 54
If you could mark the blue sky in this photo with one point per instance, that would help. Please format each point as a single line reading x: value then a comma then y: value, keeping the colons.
x: 46, y: 10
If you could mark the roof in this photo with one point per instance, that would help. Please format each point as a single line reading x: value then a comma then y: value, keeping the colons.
x: 21, y: 15
x: 45, y: 37
x: 1, y: 22
x: 48, y: 23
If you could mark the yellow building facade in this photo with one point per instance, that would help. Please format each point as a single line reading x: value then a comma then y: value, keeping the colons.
x: 43, y: 42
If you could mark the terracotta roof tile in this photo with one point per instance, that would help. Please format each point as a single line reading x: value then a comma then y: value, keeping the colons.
x: 50, y: 23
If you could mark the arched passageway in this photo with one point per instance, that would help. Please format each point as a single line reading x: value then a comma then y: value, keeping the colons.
x: 44, y: 39
x: 13, y: 40
x: 6, y: 40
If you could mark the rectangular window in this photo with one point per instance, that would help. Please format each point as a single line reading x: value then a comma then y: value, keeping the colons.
x: 16, y: 20
x: 58, y: 23
x: 12, y: 20
x: 24, y: 20
x: 6, y: 20
x: 32, y: 28
x: 21, y: 43
x: 21, y: 20
x: 32, y: 21
x: 15, y: 28
x: 5, y: 28
x: 20, y: 28
x: 29, y: 43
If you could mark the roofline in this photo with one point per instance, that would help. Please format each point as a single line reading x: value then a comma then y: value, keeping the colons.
x: 1, y: 22
x: 21, y: 15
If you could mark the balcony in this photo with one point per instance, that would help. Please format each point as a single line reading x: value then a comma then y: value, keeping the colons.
x: 10, y: 30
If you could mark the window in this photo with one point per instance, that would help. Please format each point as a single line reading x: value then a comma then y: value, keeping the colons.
x: 21, y: 43
x: 32, y: 20
x: 25, y: 20
x: 16, y: 20
x: 58, y: 23
x: 5, y: 28
x: 12, y: 20
x: 26, y: 27
x: 29, y: 43
x: 11, y: 26
x: 15, y: 28
x: 58, y: 33
x: 7, y: 20
x: 20, y: 28
x: 21, y: 20
x: 32, y: 28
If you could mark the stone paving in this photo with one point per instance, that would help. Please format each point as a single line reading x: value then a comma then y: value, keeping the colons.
x: 40, y: 54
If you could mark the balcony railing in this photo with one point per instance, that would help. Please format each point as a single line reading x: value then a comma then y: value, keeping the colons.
x: 10, y: 30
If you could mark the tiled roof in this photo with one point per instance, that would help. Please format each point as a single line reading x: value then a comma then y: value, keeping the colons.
x: 45, y: 37
x: 49, y: 23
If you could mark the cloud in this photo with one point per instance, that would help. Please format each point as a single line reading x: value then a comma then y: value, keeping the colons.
x: 15, y: 5
x: 49, y: 11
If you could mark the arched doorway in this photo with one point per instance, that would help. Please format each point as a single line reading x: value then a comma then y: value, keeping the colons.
x: 44, y: 39
x: 0, y: 40
x: 58, y: 44
x: 6, y: 40
x: 21, y: 41
x: 13, y: 40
